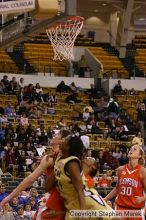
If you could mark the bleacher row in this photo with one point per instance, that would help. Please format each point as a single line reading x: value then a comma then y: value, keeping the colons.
x: 81, y: 40
x: 39, y: 55
x: 64, y: 110
x: 140, y: 58
x: 139, y: 41
x: 13, y: 181
x: 128, y: 102
x: 111, y: 63
x: 6, y: 63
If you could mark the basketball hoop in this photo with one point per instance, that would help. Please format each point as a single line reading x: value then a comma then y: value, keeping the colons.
x: 62, y: 37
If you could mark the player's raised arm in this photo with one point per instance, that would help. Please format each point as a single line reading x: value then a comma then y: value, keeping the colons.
x: 29, y: 180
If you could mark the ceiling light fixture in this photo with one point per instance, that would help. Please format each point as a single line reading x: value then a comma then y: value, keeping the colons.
x: 104, y: 4
x: 142, y: 19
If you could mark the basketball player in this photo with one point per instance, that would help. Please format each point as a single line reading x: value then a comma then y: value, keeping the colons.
x: 131, y: 183
x: 68, y: 174
x: 90, y: 167
x: 46, y: 166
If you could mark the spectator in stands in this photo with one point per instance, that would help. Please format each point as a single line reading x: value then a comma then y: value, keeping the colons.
x: 82, y: 66
x: 125, y: 92
x: 112, y: 125
x: 86, y: 114
x: 7, y: 213
x: 114, y: 181
x: 41, y: 134
x: 101, y: 160
x: 122, y: 134
x: 132, y: 92
x: 3, y: 193
x: 2, y: 132
x: 30, y: 92
x: 74, y: 127
x: 14, y: 203
x: 62, y: 87
x: 116, y: 152
x: 34, y: 193
x: 106, y: 153
x: 8, y: 109
x: 9, y: 130
x: 21, y: 161
x: 24, y: 120
x: 5, y: 90
x: 5, y: 82
x: 12, y: 89
x: 73, y: 87
x: 1, y: 88
x: 93, y: 103
x: 117, y: 90
x: 46, y: 97
x: 21, y: 96
x: 33, y: 203
x: 10, y: 158
x: 20, y: 214
x: 39, y: 182
x: 73, y: 98
x: 27, y: 211
x: 91, y: 111
x: 111, y: 162
x: 113, y: 108
x: 138, y: 104
x: 28, y: 148
x: 104, y: 181
x: 92, y: 92
x: 21, y: 82
x: 141, y: 117
x: 92, y: 127
x: 52, y: 98
x: 123, y: 159
x: 62, y: 122
x: 38, y: 88
x: 40, y: 97
x: 14, y: 82
x: 21, y: 134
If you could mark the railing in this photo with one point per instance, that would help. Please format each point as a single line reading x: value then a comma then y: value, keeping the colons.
x: 114, y: 73
x: 12, y: 21
x: 15, y: 26
x: 13, y: 29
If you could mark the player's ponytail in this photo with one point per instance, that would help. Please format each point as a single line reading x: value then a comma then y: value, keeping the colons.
x: 142, y: 154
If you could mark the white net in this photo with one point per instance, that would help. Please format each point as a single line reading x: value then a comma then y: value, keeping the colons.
x: 63, y: 36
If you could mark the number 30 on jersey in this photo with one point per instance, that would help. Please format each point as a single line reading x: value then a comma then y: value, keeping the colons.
x: 127, y: 191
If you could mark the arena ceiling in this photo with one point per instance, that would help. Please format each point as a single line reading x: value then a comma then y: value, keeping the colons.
x: 106, y: 7
x: 93, y: 8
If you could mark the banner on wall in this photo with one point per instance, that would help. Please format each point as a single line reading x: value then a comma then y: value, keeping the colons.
x: 11, y: 7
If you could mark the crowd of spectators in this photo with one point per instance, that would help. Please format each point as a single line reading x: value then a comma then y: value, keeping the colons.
x: 21, y: 146
x: 140, y: 105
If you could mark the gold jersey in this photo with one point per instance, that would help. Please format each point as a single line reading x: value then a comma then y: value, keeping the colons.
x: 64, y: 184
